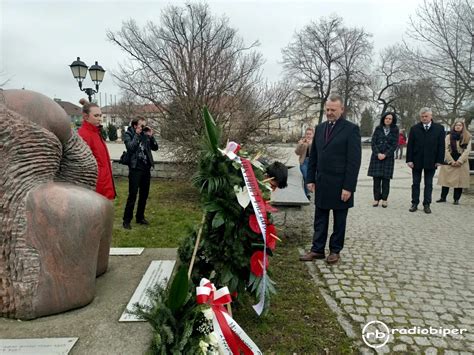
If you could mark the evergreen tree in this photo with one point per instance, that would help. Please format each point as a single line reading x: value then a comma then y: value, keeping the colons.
x: 103, y: 133
x: 366, y: 124
x: 112, y: 132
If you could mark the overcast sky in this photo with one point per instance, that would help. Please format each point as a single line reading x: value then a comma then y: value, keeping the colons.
x: 39, y: 39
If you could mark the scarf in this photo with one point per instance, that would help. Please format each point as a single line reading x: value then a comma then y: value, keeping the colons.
x: 454, y: 137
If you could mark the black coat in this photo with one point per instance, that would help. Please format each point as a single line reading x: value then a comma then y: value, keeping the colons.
x: 334, y: 165
x: 132, y: 143
x: 385, y: 144
x: 426, y: 148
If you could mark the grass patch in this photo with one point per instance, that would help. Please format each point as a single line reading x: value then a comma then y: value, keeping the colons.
x: 172, y: 209
x: 299, y: 321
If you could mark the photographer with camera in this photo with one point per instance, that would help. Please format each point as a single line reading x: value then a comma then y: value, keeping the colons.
x: 302, y: 150
x: 139, y: 142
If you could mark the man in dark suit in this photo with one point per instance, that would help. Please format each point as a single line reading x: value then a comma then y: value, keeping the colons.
x: 332, y: 173
x: 425, y: 152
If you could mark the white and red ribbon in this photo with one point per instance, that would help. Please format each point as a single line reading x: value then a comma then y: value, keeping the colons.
x: 231, y: 337
x: 259, y: 208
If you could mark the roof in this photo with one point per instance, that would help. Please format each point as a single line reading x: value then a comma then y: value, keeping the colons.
x: 69, y: 107
x: 140, y: 109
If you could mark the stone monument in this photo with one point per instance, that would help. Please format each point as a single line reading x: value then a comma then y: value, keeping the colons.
x: 55, y: 230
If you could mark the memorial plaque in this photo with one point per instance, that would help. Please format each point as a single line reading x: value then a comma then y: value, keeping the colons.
x: 159, y: 271
x: 126, y: 251
x: 39, y: 346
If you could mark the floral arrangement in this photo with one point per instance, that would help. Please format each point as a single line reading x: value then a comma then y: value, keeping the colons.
x: 233, y: 244
x: 193, y: 325
x: 233, y: 249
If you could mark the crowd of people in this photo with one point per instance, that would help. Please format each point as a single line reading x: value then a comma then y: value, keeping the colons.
x: 330, y: 158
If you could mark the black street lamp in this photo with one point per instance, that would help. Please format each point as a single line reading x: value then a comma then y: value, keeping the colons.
x: 79, y: 70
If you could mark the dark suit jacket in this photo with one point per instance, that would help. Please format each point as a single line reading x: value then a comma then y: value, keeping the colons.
x: 132, y: 143
x: 426, y: 148
x: 334, y: 165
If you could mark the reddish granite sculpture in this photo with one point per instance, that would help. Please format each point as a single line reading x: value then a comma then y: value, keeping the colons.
x: 55, y: 230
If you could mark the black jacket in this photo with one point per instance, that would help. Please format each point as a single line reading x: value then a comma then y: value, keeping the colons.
x: 132, y: 143
x: 426, y: 148
x: 385, y: 145
x: 334, y: 165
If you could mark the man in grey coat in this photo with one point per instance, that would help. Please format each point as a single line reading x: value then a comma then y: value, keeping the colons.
x: 333, y: 169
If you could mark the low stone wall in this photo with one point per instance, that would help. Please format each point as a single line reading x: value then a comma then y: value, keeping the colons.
x: 163, y: 169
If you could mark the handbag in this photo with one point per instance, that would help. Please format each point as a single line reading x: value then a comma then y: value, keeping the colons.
x: 125, y: 158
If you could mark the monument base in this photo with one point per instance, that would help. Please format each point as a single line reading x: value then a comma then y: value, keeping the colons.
x: 97, y: 325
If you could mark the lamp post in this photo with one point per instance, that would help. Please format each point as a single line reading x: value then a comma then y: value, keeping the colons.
x: 79, y: 71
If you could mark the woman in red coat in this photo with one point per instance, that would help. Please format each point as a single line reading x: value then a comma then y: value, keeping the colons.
x: 90, y: 133
x: 402, y: 142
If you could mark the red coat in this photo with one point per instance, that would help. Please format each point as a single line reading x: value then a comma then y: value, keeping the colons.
x: 105, y: 181
x: 401, y: 139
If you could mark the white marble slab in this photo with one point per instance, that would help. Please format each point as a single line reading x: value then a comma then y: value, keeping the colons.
x: 126, y: 251
x: 38, y: 346
x: 157, y: 272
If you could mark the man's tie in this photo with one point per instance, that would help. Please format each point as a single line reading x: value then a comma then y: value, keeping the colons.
x: 329, y: 131
x: 427, y: 127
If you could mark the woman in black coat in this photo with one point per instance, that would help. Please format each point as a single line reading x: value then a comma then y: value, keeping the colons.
x: 384, y: 143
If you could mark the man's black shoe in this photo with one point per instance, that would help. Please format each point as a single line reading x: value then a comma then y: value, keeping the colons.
x: 144, y: 222
x: 126, y: 225
x: 427, y: 209
x: 413, y: 208
x: 456, y: 202
x: 441, y: 200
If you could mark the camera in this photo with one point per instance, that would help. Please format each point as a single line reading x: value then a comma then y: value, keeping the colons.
x: 146, y: 129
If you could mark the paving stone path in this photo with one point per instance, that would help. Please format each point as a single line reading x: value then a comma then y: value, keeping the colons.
x: 405, y: 269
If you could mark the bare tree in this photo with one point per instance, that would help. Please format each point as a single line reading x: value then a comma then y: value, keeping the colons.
x: 311, y: 58
x: 390, y: 72
x: 325, y: 55
x: 190, y: 60
x: 354, y: 67
x: 127, y: 108
x: 410, y: 97
x: 443, y: 29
